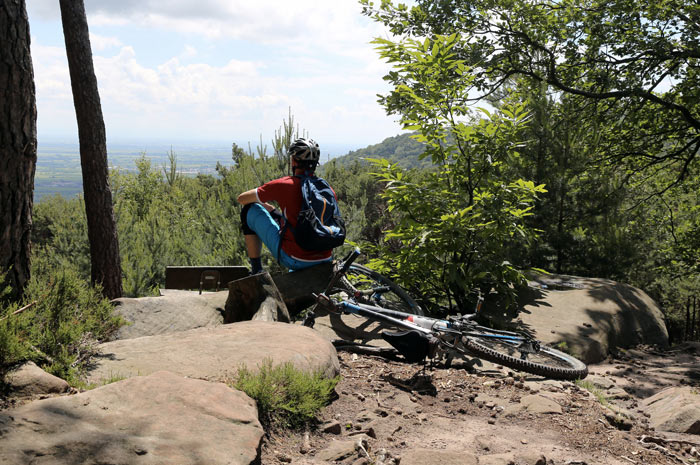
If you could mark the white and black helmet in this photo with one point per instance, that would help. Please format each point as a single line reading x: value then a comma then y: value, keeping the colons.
x: 305, y: 150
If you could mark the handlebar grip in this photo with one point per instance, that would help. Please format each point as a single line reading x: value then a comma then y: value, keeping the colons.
x: 352, y: 256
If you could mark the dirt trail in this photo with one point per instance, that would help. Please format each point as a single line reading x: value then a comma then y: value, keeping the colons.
x: 486, y: 414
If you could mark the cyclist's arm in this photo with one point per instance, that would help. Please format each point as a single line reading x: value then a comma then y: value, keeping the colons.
x: 251, y: 196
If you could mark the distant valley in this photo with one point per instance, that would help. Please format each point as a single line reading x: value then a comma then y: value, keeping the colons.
x: 58, y: 163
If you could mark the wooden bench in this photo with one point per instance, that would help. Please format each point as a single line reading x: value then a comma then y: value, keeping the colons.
x: 202, y: 277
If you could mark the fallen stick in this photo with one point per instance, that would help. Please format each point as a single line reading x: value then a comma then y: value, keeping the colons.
x: 17, y: 312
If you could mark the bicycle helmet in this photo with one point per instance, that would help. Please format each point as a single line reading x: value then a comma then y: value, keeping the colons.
x: 305, y: 150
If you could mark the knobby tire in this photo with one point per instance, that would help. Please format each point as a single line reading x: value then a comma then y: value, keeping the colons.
x: 551, y: 363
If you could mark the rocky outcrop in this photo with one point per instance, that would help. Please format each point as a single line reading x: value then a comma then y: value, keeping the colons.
x: 158, y: 419
x: 592, y: 317
x: 675, y: 409
x: 216, y: 353
x: 29, y: 380
x: 172, y: 312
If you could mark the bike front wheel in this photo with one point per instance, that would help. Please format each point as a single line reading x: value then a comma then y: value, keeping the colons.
x: 371, y: 288
x: 547, y: 362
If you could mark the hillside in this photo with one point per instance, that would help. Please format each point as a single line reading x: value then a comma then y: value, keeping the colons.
x: 401, y: 149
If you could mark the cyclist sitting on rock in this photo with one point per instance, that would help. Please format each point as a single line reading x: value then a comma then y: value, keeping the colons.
x: 282, y: 232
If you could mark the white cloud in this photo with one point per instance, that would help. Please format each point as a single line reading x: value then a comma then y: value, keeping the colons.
x: 318, y: 62
x: 334, y: 25
x: 188, y: 52
x: 99, y: 43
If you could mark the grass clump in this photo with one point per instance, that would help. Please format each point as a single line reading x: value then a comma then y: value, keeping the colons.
x: 597, y: 393
x: 287, y: 398
x: 563, y: 346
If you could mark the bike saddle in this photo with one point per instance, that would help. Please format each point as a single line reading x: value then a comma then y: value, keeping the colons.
x: 413, y: 345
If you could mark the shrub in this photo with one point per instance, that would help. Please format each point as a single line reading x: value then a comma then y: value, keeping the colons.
x: 286, y: 397
x: 64, y: 320
x: 11, y: 349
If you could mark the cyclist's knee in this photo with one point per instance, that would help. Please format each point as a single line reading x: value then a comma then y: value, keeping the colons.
x: 244, y: 219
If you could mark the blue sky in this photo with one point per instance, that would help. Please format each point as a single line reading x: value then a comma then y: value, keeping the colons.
x: 218, y: 70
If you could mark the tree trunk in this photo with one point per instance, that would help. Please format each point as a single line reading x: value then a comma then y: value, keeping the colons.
x: 17, y: 145
x: 102, y: 230
x: 688, y: 328
x: 255, y: 298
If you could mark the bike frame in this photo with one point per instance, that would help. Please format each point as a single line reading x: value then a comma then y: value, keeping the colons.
x: 405, y: 321
x: 435, y: 338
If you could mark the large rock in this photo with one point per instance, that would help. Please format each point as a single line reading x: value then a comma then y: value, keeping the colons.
x: 172, y: 312
x: 158, y: 419
x: 216, y: 353
x: 675, y: 409
x: 592, y: 316
x: 30, y: 380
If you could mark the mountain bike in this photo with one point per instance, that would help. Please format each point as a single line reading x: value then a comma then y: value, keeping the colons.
x: 370, y: 295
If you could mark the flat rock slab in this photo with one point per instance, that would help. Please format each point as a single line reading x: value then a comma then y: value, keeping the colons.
x: 172, y: 312
x: 216, y: 353
x: 675, y: 409
x: 159, y: 419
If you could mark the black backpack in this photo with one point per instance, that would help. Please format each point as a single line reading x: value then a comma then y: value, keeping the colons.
x: 319, y: 224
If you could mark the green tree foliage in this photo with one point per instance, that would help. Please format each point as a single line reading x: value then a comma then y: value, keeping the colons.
x: 667, y: 251
x: 457, y: 223
x: 402, y: 150
x: 59, y: 235
x: 165, y: 218
x: 359, y: 197
x: 612, y: 91
x: 581, y: 214
x: 188, y: 222
x: 632, y: 66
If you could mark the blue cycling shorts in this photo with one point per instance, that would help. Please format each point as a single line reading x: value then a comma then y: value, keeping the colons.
x: 261, y: 222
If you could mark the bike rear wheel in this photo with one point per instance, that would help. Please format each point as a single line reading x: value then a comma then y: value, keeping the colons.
x: 372, y: 288
x: 547, y: 362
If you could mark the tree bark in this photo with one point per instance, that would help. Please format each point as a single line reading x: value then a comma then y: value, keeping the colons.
x: 255, y: 298
x: 102, y: 230
x: 298, y: 288
x: 17, y: 145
